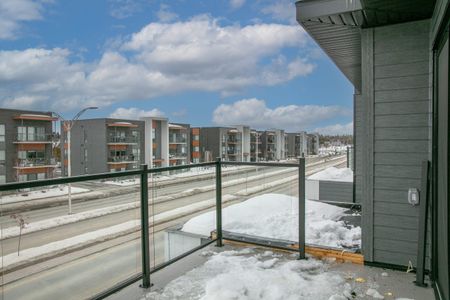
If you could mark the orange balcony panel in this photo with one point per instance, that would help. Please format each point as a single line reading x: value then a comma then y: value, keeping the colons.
x: 34, y: 170
x: 195, y: 131
x: 155, y: 146
x: 196, y: 143
x: 118, y: 147
x: 154, y: 124
x: 25, y: 147
x: 196, y: 154
x: 118, y: 166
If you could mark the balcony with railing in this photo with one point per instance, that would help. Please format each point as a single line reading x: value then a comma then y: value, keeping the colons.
x: 123, y: 140
x: 122, y: 159
x: 34, y: 163
x: 115, y: 238
x: 33, y: 138
x: 177, y: 139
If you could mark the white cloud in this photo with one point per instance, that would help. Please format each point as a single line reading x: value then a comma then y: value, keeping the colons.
x: 254, y: 112
x: 134, y: 113
x: 161, y: 59
x: 337, y: 129
x: 281, y: 10
x: 236, y: 3
x: 165, y: 15
x: 14, y: 12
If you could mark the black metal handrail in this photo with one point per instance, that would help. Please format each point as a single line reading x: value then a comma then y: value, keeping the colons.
x: 144, y: 207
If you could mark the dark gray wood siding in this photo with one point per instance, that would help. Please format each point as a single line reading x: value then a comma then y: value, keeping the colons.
x: 336, y: 191
x: 399, y: 109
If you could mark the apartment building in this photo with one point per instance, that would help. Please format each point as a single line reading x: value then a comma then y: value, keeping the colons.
x: 256, y: 153
x: 103, y: 145
x: 224, y: 142
x: 26, y: 143
x: 179, y: 144
x: 313, y: 144
x: 293, y: 145
x: 273, y: 144
x: 156, y: 142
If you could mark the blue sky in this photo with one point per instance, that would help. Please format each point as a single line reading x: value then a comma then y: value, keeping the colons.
x: 204, y: 62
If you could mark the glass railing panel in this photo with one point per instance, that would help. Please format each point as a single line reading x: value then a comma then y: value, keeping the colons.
x: 261, y: 203
x: 49, y: 252
x: 175, y: 198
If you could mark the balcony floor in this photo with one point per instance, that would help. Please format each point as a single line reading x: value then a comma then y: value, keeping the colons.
x: 357, y: 278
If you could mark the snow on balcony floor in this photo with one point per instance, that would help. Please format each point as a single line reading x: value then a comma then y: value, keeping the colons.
x: 254, y: 273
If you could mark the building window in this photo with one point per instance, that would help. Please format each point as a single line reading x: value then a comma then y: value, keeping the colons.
x: 196, y: 137
x: 196, y: 149
x: 2, y: 155
x: 2, y: 132
x: 21, y: 133
x: 22, y: 178
x: 41, y: 176
x: 2, y: 179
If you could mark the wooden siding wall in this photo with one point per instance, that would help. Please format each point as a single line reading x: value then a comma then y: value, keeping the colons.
x: 396, y: 85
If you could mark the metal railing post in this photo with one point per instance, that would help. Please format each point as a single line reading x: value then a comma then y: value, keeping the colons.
x: 219, y: 201
x: 145, y: 243
x: 348, y: 157
x: 301, y: 208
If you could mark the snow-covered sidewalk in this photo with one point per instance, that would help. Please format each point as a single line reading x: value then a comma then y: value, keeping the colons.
x: 40, y: 194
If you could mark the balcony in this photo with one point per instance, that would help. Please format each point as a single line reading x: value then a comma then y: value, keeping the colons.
x: 182, y: 224
x: 34, y: 163
x: 33, y: 139
x: 177, y: 140
x: 121, y: 140
x: 128, y: 159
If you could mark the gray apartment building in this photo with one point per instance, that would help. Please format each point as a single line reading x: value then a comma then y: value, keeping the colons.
x: 273, y: 143
x: 26, y: 144
x: 396, y: 55
x: 224, y: 142
x: 103, y: 145
x: 179, y: 144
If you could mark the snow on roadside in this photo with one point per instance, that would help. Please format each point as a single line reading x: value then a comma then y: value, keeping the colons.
x: 333, y: 174
x: 191, y: 172
x: 238, y: 275
x: 65, y: 219
x: 276, y: 216
x: 40, y: 194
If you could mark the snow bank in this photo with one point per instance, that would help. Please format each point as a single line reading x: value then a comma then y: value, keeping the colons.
x: 276, y: 216
x: 235, y: 275
x: 40, y: 194
x: 333, y: 174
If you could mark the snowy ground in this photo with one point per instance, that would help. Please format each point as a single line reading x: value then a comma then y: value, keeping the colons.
x: 276, y: 216
x: 254, y: 273
x: 40, y: 194
x: 333, y: 174
x: 247, y: 274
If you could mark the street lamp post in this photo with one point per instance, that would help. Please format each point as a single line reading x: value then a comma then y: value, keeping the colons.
x: 68, y: 125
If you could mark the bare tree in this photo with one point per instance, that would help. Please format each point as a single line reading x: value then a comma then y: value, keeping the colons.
x: 21, y: 223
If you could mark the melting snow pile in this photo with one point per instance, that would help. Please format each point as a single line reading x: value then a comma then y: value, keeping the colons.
x: 276, y: 216
x: 235, y: 275
x: 333, y: 174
